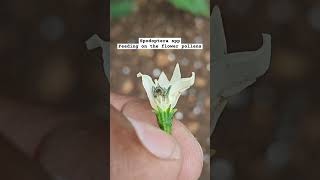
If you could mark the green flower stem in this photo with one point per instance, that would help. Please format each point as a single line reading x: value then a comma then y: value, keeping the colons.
x: 164, y: 119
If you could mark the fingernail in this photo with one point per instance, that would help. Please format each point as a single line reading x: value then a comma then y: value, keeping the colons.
x: 155, y: 141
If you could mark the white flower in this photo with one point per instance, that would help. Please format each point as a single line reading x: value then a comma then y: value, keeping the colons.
x: 164, y: 94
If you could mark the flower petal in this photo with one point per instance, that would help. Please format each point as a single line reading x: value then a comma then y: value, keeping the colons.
x: 183, y: 84
x: 163, y: 80
x: 178, y: 87
x: 176, y: 76
x: 174, y: 99
x: 148, y: 84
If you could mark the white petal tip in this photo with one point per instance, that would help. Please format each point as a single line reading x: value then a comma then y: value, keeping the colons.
x: 139, y: 74
x: 193, y: 77
x: 177, y: 68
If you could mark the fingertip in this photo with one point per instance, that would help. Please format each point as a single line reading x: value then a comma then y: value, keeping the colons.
x: 141, y: 110
x: 157, y: 142
x: 144, y: 152
x: 192, y: 154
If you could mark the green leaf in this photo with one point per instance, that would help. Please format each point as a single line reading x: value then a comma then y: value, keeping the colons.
x: 196, y: 7
x: 120, y: 8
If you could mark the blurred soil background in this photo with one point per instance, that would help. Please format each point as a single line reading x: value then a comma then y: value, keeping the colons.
x: 160, y: 19
x: 272, y: 129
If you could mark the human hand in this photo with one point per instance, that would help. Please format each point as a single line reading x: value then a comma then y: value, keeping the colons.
x: 140, y: 150
x: 78, y: 149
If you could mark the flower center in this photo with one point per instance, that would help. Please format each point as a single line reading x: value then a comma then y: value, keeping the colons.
x: 160, y: 91
x: 160, y: 95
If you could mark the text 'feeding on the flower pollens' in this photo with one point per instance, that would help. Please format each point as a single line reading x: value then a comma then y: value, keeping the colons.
x: 159, y: 43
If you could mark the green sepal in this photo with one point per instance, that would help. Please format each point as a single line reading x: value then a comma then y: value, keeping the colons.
x: 164, y: 118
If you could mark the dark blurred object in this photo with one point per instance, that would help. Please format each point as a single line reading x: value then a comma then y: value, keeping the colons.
x: 46, y: 67
x: 18, y: 166
x: 271, y: 130
x: 43, y: 54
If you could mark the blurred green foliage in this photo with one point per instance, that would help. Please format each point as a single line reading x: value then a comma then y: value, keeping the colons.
x: 196, y: 7
x: 120, y: 8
